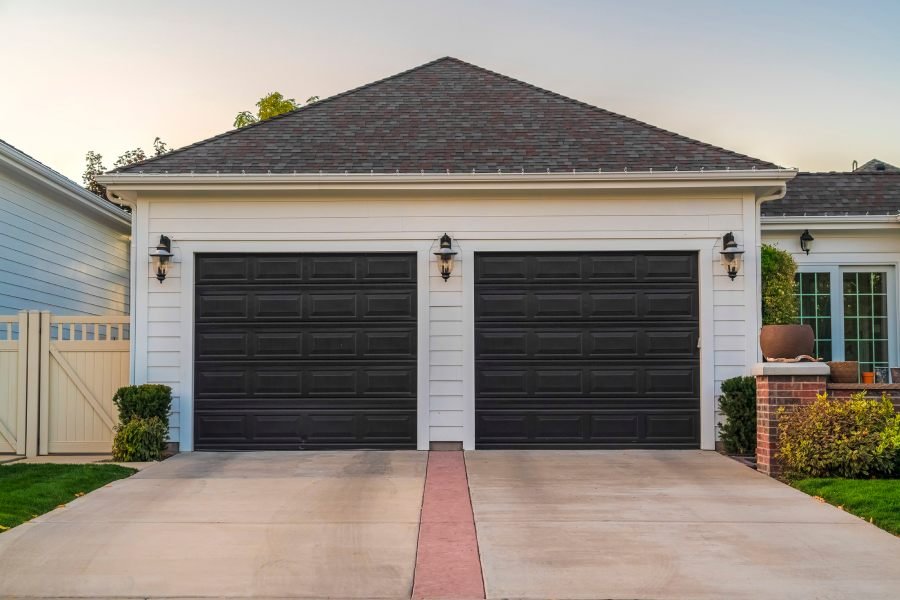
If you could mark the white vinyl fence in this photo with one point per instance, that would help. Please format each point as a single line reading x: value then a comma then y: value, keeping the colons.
x: 57, y: 378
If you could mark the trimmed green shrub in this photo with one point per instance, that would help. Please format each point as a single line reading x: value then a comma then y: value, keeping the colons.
x: 738, y: 404
x: 143, y: 401
x: 143, y: 422
x: 779, y: 302
x: 851, y: 438
x: 140, y: 440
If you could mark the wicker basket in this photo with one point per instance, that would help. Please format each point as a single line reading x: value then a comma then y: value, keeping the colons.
x: 846, y: 371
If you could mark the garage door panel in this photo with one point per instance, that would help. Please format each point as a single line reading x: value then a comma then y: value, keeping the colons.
x: 321, y: 429
x: 619, y: 268
x: 265, y: 342
x: 671, y: 267
x: 305, y: 351
x: 223, y: 269
x: 277, y: 269
x: 549, y: 429
x: 586, y: 350
x: 508, y: 342
x: 277, y: 306
x: 584, y: 305
x: 303, y: 303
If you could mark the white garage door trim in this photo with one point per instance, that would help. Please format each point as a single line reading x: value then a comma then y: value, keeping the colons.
x: 704, y: 248
x: 184, y: 257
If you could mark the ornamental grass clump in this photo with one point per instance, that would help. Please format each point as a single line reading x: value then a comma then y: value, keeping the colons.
x: 854, y: 438
x: 143, y: 422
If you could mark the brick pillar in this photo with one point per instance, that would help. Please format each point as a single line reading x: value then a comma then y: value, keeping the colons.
x: 781, y: 384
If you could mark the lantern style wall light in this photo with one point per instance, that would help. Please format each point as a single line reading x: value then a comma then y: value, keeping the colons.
x: 732, y: 255
x: 161, y: 256
x: 445, y: 257
x: 806, y: 240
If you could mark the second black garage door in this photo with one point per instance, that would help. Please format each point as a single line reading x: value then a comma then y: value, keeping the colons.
x: 305, y: 351
x: 587, y: 350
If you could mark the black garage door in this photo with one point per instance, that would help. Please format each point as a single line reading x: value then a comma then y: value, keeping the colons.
x: 587, y: 350
x: 305, y: 351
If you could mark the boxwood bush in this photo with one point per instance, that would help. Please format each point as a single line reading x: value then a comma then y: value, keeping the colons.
x: 853, y: 438
x: 143, y: 401
x: 143, y: 422
x: 738, y: 404
x: 140, y: 440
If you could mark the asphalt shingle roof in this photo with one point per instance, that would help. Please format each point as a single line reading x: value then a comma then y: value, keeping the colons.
x: 875, y: 165
x: 852, y: 193
x: 446, y: 114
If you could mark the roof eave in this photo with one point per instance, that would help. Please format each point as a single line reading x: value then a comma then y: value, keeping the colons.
x: 82, y: 199
x: 850, y: 222
x: 754, y: 178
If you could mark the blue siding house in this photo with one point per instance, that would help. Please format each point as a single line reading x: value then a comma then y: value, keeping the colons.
x: 62, y: 248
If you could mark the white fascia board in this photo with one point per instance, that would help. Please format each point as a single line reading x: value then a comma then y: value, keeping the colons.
x: 81, y: 199
x: 854, y: 222
x: 764, y: 180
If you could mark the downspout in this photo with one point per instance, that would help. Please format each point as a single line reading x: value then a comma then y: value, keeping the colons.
x: 777, y: 195
x: 132, y: 281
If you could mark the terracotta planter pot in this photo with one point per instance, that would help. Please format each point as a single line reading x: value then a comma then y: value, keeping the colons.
x: 844, y: 371
x: 868, y: 377
x: 786, y: 341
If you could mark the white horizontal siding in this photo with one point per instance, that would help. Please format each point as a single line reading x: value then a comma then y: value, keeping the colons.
x: 54, y: 257
x: 281, y: 221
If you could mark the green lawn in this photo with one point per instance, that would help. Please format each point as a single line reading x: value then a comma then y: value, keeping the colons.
x: 27, y: 491
x: 875, y: 500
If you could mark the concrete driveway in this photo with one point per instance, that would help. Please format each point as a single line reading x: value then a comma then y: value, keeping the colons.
x: 609, y: 524
x: 665, y: 525
x: 332, y: 524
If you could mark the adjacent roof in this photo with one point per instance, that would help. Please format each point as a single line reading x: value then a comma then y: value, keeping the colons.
x: 876, y: 165
x: 830, y: 194
x: 80, y: 198
x: 446, y: 115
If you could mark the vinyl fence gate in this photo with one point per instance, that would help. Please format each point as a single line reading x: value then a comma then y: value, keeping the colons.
x: 57, y: 378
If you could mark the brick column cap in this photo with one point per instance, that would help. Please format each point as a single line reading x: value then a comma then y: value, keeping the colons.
x: 786, y: 369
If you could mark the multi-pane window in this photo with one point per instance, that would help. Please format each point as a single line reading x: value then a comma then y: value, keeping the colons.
x: 849, y: 309
x: 866, y: 319
x: 814, y: 290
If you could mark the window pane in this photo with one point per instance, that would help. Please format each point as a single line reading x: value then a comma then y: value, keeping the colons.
x: 866, y: 319
x: 851, y: 329
x: 815, y: 309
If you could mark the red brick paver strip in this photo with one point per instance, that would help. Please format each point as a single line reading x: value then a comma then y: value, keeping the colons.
x: 447, y: 560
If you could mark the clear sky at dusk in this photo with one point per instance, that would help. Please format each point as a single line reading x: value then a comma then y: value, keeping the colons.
x: 805, y: 84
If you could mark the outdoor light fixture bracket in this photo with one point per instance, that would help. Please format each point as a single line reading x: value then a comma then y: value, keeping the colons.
x: 161, y: 257
x: 806, y: 240
x: 732, y: 255
x: 445, y: 256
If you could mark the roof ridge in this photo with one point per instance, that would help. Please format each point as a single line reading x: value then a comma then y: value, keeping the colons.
x: 305, y: 107
x: 600, y: 109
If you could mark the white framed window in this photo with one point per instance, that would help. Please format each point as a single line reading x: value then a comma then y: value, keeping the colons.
x: 852, y: 310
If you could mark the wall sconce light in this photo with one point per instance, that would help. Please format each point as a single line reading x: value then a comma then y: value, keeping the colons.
x: 161, y: 257
x: 732, y: 255
x: 806, y: 240
x: 445, y: 257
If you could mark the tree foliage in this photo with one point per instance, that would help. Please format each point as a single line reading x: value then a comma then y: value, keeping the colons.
x: 270, y: 105
x: 94, y: 164
x: 779, y: 300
